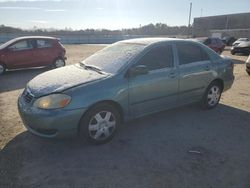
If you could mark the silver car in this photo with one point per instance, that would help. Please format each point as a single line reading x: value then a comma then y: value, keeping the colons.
x: 248, y: 65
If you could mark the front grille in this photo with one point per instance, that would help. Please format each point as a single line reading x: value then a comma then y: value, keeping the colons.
x: 28, y: 97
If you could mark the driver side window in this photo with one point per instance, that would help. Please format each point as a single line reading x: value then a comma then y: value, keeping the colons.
x: 22, y: 45
x: 158, y: 58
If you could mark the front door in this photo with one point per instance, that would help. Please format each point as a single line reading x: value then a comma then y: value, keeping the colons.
x: 156, y: 90
x: 20, y: 54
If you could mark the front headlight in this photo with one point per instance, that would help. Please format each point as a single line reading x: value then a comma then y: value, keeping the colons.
x: 53, y: 101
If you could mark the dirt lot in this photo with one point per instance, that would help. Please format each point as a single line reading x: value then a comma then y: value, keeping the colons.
x: 148, y: 152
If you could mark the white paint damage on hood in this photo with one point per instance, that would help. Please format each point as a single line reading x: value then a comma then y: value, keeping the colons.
x: 61, y: 79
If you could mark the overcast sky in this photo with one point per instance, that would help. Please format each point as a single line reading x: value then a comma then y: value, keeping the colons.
x: 110, y: 14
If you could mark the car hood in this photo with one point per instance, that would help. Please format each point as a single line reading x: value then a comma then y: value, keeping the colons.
x: 61, y: 79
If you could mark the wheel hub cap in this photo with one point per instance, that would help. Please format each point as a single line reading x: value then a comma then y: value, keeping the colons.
x: 102, y: 125
x: 213, y: 95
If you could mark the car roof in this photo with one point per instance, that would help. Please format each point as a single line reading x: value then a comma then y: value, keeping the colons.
x: 23, y: 38
x: 33, y: 37
x: 149, y: 41
x: 199, y: 39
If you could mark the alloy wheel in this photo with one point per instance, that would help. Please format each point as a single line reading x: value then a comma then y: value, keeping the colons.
x: 213, y: 96
x: 102, y: 125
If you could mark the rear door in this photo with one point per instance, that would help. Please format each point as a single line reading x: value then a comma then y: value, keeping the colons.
x: 156, y: 90
x: 20, y: 54
x: 44, y: 53
x: 196, y: 71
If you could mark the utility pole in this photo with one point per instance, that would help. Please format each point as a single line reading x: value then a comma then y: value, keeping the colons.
x: 190, y: 13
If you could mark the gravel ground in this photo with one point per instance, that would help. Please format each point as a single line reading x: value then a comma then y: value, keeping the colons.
x: 184, y: 147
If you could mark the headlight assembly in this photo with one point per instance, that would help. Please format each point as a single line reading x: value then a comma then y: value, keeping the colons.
x: 53, y: 101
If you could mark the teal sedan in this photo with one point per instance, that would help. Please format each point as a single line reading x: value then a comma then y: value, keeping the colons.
x: 124, y: 81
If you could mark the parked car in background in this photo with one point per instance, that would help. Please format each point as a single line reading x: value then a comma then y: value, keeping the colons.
x: 125, y: 80
x: 240, y: 40
x: 243, y: 48
x: 228, y: 41
x: 32, y: 51
x: 214, y: 43
x: 248, y: 65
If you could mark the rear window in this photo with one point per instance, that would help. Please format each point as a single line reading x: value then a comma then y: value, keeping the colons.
x: 41, y: 43
x: 190, y: 53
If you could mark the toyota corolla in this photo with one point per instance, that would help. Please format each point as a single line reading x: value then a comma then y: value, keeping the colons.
x: 124, y: 81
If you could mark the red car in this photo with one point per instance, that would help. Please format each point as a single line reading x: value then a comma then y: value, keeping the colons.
x: 214, y: 43
x: 31, y: 51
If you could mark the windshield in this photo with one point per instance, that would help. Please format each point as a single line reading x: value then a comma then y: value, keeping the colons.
x: 111, y: 59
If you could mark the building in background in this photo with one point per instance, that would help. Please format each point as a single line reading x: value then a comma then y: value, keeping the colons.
x: 235, y: 25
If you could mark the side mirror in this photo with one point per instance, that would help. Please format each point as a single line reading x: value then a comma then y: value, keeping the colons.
x: 138, y: 70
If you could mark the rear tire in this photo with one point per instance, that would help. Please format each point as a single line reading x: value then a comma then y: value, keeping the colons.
x: 212, y: 95
x: 100, y: 123
x: 59, y: 63
x: 2, y: 68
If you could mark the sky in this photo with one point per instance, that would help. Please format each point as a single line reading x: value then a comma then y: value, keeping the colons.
x: 110, y: 14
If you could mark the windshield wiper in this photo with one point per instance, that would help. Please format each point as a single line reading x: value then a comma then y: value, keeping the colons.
x: 92, y: 67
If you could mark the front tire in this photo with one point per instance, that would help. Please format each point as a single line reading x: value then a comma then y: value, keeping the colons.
x: 2, y: 68
x: 212, y: 96
x: 99, y: 124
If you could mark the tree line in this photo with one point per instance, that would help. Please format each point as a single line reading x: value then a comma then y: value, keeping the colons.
x: 150, y: 29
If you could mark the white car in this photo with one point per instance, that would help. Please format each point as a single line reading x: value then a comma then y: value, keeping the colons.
x: 248, y: 65
x: 240, y: 40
